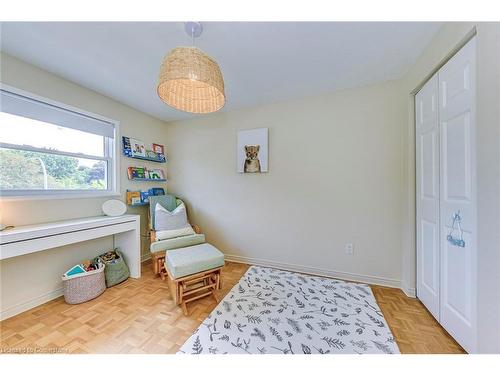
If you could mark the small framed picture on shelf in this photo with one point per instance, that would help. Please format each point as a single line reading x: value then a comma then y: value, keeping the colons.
x: 138, y: 148
x: 159, y: 149
x: 156, y: 174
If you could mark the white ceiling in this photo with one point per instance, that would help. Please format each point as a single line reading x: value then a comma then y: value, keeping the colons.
x: 262, y: 62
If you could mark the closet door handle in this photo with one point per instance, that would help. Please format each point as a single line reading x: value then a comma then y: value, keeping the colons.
x: 456, y: 241
x: 457, y: 221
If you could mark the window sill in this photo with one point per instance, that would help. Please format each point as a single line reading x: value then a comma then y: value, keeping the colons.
x: 61, y: 195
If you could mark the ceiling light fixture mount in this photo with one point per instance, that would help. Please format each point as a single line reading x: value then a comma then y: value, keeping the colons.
x: 189, y: 79
x: 193, y: 29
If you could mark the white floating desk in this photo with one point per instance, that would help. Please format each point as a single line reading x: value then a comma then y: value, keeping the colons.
x: 33, y: 238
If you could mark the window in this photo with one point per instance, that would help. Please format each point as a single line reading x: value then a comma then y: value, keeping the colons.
x: 48, y: 148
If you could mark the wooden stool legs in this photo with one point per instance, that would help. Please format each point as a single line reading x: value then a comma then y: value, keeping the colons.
x: 192, y: 287
x: 162, y: 270
x: 158, y: 262
x: 188, y: 288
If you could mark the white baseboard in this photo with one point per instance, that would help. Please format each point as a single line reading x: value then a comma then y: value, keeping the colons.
x: 40, y: 300
x: 28, y: 305
x: 367, y: 279
x: 410, y: 292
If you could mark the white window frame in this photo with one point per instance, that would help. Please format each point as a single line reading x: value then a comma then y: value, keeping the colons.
x: 111, y: 157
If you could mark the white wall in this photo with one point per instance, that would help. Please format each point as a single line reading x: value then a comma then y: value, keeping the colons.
x: 450, y: 37
x: 334, y: 177
x: 49, y: 265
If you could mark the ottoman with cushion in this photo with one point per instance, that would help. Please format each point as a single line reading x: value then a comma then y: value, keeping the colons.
x: 169, y: 230
x: 193, y: 273
x: 158, y: 250
x: 179, y: 252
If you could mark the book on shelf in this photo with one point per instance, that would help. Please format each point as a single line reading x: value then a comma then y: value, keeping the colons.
x: 144, y: 173
x: 141, y: 197
x: 156, y: 191
x: 133, y: 197
x: 127, y: 148
x: 136, y: 149
x: 161, y: 158
x: 156, y: 174
x: 158, y: 149
x: 145, y: 196
x: 137, y: 172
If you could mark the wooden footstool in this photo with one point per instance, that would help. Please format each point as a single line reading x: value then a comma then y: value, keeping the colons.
x: 193, y: 273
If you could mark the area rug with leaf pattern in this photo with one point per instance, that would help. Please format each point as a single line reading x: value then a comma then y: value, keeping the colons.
x: 274, y: 311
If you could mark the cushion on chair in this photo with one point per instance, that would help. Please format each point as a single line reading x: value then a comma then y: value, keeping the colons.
x: 176, y: 243
x: 193, y: 259
x: 170, y: 220
x: 168, y: 201
x: 168, y: 234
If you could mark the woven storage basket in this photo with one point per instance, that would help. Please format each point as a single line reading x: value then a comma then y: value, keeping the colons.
x: 83, y: 287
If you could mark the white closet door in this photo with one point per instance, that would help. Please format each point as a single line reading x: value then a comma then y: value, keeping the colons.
x: 427, y: 189
x: 458, y: 195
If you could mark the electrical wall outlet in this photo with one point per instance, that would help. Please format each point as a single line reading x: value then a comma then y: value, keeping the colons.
x: 349, y: 248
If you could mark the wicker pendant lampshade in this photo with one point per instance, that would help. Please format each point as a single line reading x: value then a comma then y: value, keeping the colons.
x: 190, y: 80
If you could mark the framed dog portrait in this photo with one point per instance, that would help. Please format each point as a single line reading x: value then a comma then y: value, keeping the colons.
x: 252, y: 151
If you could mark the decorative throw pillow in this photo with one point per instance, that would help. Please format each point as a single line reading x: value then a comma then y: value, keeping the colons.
x: 166, y: 220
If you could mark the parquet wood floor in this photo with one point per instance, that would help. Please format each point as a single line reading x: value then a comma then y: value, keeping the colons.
x: 139, y: 316
x: 415, y: 329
